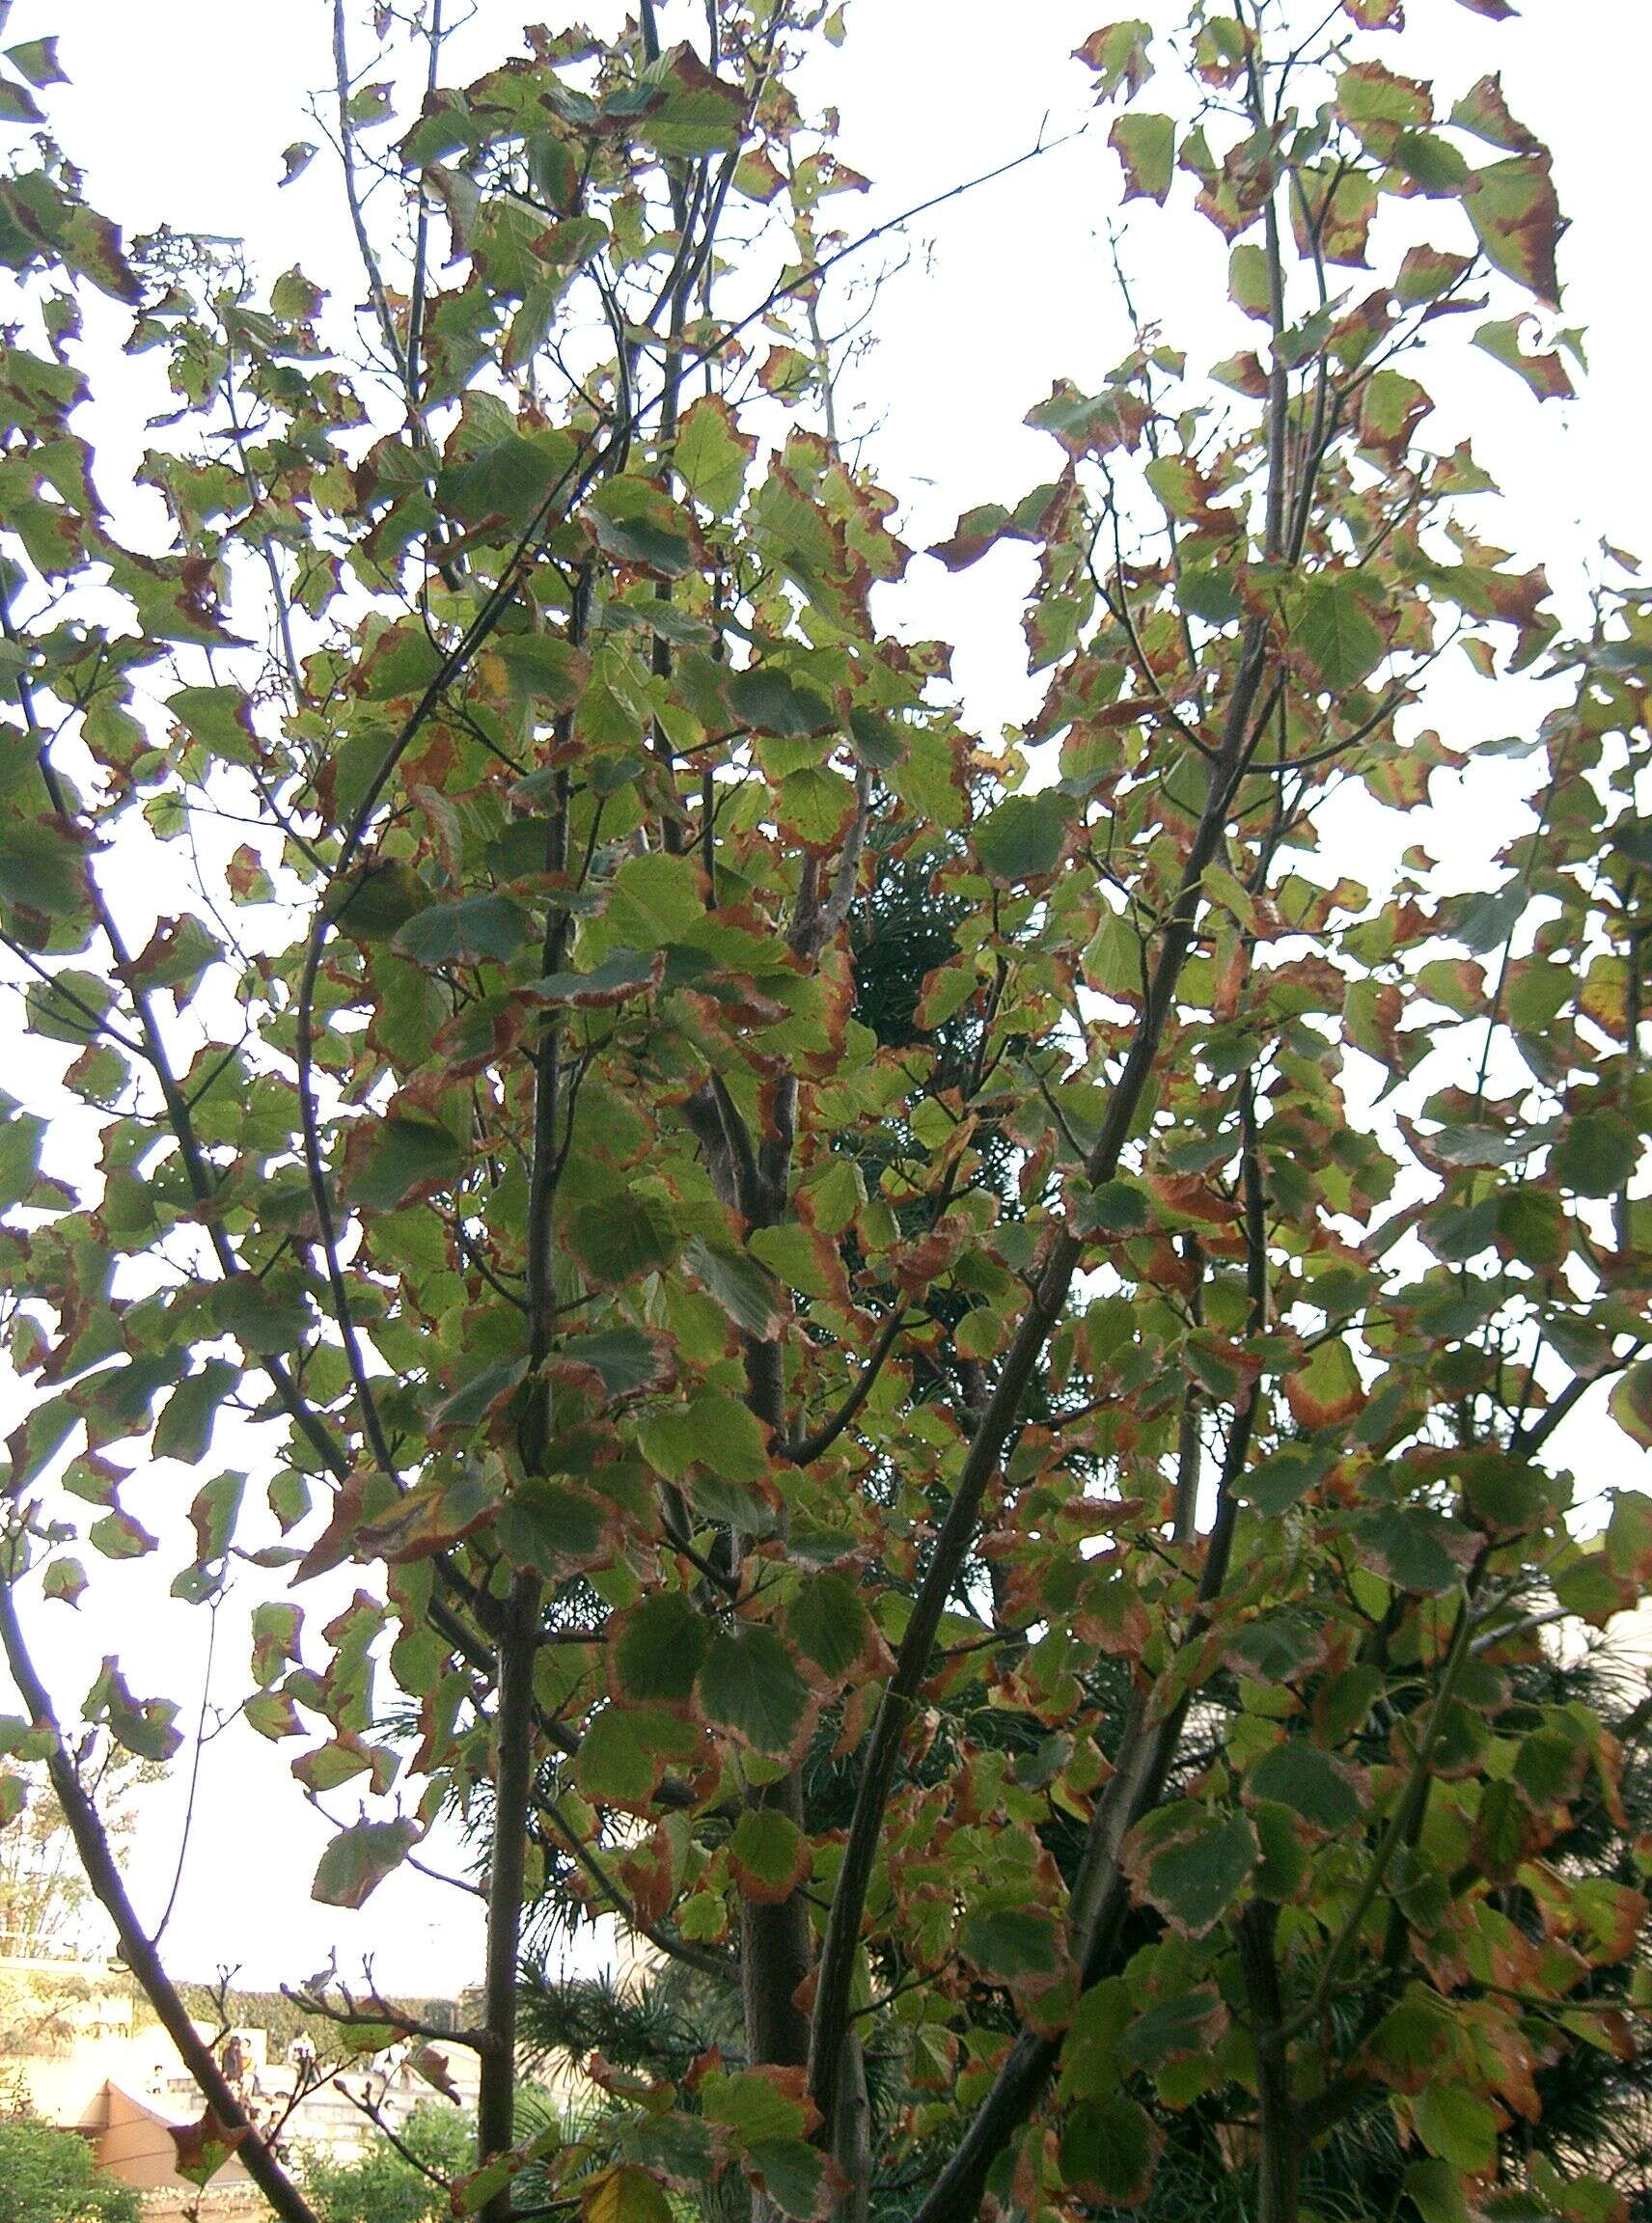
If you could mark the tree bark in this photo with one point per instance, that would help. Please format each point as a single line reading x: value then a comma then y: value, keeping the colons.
x: 512, y: 1787
x: 1279, y: 2161
x: 852, y: 2135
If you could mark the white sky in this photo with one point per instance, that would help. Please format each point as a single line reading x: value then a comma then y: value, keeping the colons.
x: 179, y: 111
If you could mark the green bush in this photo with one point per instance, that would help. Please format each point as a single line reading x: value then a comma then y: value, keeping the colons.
x: 382, y: 2187
x: 49, y: 2176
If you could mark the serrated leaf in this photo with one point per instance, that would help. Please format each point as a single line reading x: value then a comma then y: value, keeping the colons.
x: 748, y: 1686
x: 1108, y: 2149
x: 359, y: 1859
x: 218, y: 717
x: 1308, y: 1781
x: 1190, y: 1865
x: 476, y: 930
x: 543, y: 668
x: 744, y: 1288
x: 638, y: 524
x: 768, y: 1855
x: 624, y: 2195
x: 655, y: 1650
x: 1147, y: 145
x: 1331, y: 628
x: 1023, y: 838
x: 712, y: 454
x: 551, y: 1522
x: 621, y: 1239
x: 401, y: 1158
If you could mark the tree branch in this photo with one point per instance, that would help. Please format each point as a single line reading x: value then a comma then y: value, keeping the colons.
x: 137, y: 1948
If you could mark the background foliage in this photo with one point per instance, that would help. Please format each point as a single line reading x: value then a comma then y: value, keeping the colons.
x: 49, y: 2176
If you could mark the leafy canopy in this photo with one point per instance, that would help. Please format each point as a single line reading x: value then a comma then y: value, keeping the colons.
x: 1005, y: 1525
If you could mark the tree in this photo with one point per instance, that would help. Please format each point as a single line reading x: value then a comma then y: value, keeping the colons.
x: 1020, y: 1546
x: 393, y: 2185
x: 49, y: 2176
x: 45, y: 1900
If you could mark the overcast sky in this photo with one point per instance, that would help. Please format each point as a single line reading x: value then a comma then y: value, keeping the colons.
x: 179, y: 111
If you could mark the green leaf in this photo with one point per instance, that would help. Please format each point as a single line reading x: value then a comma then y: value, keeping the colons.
x: 375, y: 902
x: 359, y: 1859
x: 749, y: 1685
x: 476, y: 930
x: 145, y: 1726
x: 1146, y: 147
x: 507, y: 476
x: 625, y: 1751
x: 65, y: 1579
x: 18, y: 106
x: 1190, y: 1864
x: 220, y: 717
x: 21, y: 1134
x: 1326, y: 1392
x: 1332, y: 629
x: 800, y: 2180
x: 745, y: 1289
x: 815, y: 807
x: 1116, y: 1207
x: 1414, y: 1547
x: 766, y: 701
x: 36, y: 59
x: 545, y: 668
x: 712, y: 454
x: 655, y: 1650
x: 265, y: 1317
x: 477, y: 1397
x: 1435, y: 2190
x: 1308, y: 1781
x: 1118, y: 53
x: 1517, y: 219
x: 1275, y: 1649
x: 1015, y: 1946
x: 1532, y: 1225
x: 828, y: 1625
x: 403, y: 1158
x: 1023, y: 838
x: 717, y: 1431
x: 1631, y: 1403
x: 638, y: 524
x: 186, y: 1426
x: 754, y: 2104
x: 552, y: 1523
x: 627, y: 973
x: 177, y: 955
x: 1110, y: 2148
x: 117, y: 1536
x: 624, y: 1238
x: 769, y: 1856
x: 624, y: 2195
x: 1458, y: 2126
x: 1597, y: 1154
x: 625, y: 1360
x: 70, y: 1005
x: 654, y: 900
x: 682, y: 109
x: 1432, y: 164
x: 42, y: 870
x: 1545, y: 375
x: 1175, y: 2029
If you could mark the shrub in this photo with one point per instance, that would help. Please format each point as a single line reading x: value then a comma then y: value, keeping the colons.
x: 384, y: 2186
x: 50, y: 2176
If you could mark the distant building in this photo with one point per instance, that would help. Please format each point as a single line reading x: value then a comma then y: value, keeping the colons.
x: 79, y: 2048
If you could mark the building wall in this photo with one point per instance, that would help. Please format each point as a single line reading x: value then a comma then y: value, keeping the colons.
x: 135, y: 2145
